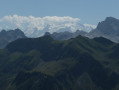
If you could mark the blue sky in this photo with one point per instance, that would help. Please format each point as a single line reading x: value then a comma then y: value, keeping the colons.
x: 89, y: 11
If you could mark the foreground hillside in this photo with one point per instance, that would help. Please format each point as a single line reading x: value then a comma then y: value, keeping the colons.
x: 46, y: 64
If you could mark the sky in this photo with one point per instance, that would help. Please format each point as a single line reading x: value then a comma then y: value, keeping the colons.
x: 88, y: 11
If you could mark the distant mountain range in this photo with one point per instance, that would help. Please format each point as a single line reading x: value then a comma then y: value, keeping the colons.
x: 109, y: 28
x: 37, y: 26
x: 65, y: 35
x: 38, y: 33
x: 9, y: 36
x: 46, y: 64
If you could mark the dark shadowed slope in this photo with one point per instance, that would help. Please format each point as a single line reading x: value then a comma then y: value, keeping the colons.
x: 47, y: 64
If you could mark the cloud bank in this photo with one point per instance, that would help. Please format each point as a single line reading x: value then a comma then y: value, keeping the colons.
x: 37, y: 26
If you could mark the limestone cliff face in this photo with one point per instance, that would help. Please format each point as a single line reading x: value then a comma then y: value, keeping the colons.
x: 109, y: 28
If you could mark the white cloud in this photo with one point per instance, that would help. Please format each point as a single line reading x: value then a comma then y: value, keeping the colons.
x: 29, y: 24
x: 89, y: 25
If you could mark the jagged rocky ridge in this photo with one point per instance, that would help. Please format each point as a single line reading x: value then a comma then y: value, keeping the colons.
x: 9, y: 36
x: 109, y: 28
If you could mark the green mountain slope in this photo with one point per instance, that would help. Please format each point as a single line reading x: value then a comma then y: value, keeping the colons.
x: 46, y: 64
